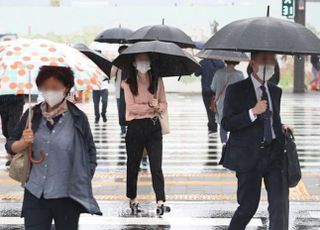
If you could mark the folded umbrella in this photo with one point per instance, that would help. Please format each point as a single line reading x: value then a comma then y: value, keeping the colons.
x: 265, y: 34
x: 223, y: 55
x: 103, y: 63
x: 162, y: 33
x: 169, y: 59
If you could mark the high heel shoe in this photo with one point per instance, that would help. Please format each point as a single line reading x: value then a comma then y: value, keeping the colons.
x: 135, y: 208
x: 163, y: 209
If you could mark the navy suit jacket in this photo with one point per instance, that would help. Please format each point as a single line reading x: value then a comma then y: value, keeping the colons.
x: 243, y: 147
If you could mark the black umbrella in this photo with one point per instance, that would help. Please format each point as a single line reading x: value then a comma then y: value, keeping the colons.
x: 265, y: 34
x: 162, y: 33
x: 168, y: 58
x: 225, y: 55
x: 103, y: 63
x: 114, y: 35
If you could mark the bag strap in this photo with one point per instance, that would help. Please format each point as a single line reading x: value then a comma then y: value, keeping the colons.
x: 224, y: 87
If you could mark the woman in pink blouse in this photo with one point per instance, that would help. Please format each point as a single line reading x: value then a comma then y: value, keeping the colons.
x: 145, y: 100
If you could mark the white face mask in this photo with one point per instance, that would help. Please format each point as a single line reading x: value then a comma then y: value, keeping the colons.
x: 268, y: 74
x: 143, y: 66
x: 53, y: 97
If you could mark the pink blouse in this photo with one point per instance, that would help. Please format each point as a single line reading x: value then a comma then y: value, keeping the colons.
x: 137, y: 107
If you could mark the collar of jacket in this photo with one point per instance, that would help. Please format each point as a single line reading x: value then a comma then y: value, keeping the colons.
x: 75, y: 112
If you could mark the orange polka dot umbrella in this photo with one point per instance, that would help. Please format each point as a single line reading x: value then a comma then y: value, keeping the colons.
x: 21, y: 59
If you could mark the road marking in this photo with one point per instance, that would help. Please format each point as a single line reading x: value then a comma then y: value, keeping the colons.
x: 314, y: 214
x: 150, y: 221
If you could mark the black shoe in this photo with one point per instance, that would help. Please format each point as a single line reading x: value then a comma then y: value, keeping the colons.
x: 212, y: 131
x: 163, y: 209
x: 104, y: 118
x: 96, y: 121
x: 135, y: 208
x: 123, y: 132
x: 8, y: 163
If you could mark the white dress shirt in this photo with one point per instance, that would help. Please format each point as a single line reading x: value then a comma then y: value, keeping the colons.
x: 104, y: 85
x: 258, y: 91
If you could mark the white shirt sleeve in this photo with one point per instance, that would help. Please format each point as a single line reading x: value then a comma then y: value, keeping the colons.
x: 252, y: 116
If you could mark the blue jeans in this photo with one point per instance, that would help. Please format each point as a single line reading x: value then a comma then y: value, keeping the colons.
x: 97, y: 95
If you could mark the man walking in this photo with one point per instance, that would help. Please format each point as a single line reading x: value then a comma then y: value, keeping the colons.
x: 207, y: 71
x: 256, y: 144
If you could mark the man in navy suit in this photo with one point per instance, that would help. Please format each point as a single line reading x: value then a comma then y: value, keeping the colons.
x: 256, y: 144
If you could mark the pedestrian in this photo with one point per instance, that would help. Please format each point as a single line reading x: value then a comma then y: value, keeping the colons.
x: 315, y: 82
x: 11, y: 109
x: 144, y: 129
x: 59, y: 186
x: 222, y: 79
x: 102, y: 95
x: 255, y: 148
x: 117, y: 74
x: 207, y: 71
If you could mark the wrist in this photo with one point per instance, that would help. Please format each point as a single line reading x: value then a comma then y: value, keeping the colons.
x: 23, y: 142
x: 254, y: 112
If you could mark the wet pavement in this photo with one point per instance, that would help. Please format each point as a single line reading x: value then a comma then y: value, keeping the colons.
x: 200, y: 192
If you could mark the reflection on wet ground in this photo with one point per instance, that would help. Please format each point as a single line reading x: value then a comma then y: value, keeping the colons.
x: 189, y: 148
x: 200, y: 192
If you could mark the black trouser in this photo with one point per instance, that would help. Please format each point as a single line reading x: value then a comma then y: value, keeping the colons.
x: 144, y: 133
x: 97, y: 94
x: 249, y: 190
x: 206, y: 97
x: 39, y: 213
x: 10, y: 116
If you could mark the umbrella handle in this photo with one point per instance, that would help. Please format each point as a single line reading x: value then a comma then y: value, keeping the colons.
x: 32, y: 160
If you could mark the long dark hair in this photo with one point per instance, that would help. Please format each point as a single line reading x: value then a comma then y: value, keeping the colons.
x: 131, y: 74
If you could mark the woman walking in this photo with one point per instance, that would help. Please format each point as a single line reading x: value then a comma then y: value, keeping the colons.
x: 144, y: 130
x: 222, y: 79
x: 59, y: 184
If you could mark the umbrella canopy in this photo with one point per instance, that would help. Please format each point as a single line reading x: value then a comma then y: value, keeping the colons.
x: 162, y: 33
x: 265, y: 34
x: 103, y: 63
x: 169, y: 58
x: 21, y: 59
x: 114, y: 35
x: 223, y: 55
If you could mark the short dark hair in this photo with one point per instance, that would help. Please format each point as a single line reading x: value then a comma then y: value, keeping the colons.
x: 63, y: 74
x: 231, y: 62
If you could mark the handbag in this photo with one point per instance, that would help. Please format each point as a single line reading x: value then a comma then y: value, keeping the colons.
x: 291, y: 160
x: 20, y: 164
x: 214, y: 99
x: 164, y: 120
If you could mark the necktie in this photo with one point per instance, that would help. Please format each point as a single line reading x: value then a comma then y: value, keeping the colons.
x: 266, y: 117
